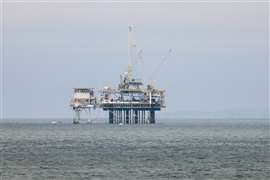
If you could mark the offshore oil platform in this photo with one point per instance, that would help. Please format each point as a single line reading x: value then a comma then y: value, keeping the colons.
x: 129, y: 103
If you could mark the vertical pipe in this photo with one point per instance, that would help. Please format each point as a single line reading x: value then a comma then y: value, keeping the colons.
x: 136, y: 116
x: 132, y: 116
x: 143, y: 116
x: 140, y: 120
x: 120, y: 118
x: 116, y: 117
x: 89, y: 115
x: 113, y: 116
x: 117, y: 121
x: 139, y: 116
x: 76, y: 118
x: 110, y: 117
x: 152, y: 117
x: 124, y: 117
x: 127, y: 116
x: 148, y: 117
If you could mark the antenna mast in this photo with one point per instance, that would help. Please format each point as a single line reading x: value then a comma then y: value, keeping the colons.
x: 131, y: 47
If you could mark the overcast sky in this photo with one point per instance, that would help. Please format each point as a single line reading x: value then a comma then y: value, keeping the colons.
x: 219, y: 61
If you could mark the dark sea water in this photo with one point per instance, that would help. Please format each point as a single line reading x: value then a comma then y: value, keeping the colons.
x: 194, y: 149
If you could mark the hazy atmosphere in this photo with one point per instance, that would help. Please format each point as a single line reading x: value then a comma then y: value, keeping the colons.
x: 208, y: 62
x: 218, y: 67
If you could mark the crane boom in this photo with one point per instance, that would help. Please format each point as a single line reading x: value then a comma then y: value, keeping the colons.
x: 159, y: 65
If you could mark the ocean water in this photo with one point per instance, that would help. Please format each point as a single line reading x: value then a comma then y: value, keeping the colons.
x: 216, y: 149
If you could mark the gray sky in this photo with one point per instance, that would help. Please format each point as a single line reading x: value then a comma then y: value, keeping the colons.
x: 219, y: 61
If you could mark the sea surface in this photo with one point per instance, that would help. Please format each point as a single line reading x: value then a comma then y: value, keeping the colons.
x: 187, y: 149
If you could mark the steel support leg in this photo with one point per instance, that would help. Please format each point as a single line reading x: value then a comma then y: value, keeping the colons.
x: 110, y: 117
x: 152, y: 117
x: 136, y: 116
x: 127, y: 116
